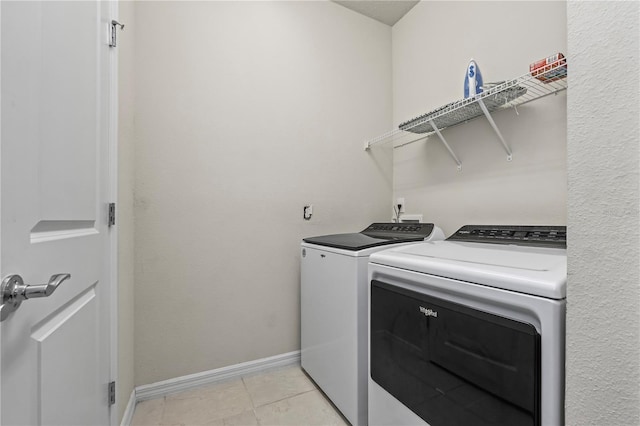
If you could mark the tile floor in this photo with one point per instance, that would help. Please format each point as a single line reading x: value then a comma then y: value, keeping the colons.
x: 279, y: 397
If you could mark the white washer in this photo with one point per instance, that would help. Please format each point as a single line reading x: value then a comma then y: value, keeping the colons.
x: 471, y: 330
x: 333, y: 299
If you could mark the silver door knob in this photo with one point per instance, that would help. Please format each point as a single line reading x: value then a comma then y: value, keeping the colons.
x: 14, y: 291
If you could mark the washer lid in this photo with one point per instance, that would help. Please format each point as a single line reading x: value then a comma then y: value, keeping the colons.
x: 375, y: 235
x: 532, y: 270
x: 357, y: 241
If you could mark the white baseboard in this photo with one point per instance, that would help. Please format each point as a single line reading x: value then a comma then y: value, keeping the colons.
x: 179, y: 384
x: 127, y: 417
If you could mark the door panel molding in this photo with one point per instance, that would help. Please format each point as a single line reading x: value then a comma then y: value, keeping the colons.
x: 41, y: 331
x: 53, y: 230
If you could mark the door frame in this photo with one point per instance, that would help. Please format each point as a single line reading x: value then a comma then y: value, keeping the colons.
x: 110, y: 260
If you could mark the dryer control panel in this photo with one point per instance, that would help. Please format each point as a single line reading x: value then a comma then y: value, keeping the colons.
x: 544, y: 236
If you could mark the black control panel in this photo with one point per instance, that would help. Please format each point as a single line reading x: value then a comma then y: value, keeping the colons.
x: 398, y: 230
x: 544, y: 236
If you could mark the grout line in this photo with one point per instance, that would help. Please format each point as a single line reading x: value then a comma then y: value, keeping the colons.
x: 289, y: 397
x: 164, y: 408
x: 256, y: 416
x: 253, y: 405
x: 244, y: 384
x: 315, y: 387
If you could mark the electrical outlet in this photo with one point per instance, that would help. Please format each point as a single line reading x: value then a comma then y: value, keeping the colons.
x: 307, y: 212
x: 400, y: 204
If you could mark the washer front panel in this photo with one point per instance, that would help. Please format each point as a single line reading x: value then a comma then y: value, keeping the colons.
x: 451, y: 364
x: 546, y: 315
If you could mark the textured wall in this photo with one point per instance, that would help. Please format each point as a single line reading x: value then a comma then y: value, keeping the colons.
x: 432, y: 46
x: 125, y: 204
x: 603, y: 313
x: 245, y: 112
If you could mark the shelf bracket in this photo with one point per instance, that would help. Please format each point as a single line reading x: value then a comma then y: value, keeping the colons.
x: 455, y: 158
x: 495, y: 129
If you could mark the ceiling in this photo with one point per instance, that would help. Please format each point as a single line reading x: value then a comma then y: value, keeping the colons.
x: 387, y: 12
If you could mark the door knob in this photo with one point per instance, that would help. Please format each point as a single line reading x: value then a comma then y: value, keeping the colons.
x: 14, y: 291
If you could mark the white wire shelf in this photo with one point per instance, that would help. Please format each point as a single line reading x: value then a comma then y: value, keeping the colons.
x: 546, y: 81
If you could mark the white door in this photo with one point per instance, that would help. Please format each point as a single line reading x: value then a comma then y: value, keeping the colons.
x: 55, y: 172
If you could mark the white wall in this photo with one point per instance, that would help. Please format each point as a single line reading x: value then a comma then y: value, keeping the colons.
x: 124, y: 220
x: 603, y: 294
x: 432, y: 46
x: 245, y: 112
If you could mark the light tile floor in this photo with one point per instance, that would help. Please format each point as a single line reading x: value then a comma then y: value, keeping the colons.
x: 278, y: 397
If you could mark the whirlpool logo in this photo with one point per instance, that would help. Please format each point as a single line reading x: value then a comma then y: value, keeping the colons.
x: 428, y: 312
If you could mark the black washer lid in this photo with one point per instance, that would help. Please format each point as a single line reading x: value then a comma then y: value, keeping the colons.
x: 376, y: 234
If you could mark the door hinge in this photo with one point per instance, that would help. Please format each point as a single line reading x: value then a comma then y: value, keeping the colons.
x: 112, y: 214
x: 112, y: 393
x: 114, y: 40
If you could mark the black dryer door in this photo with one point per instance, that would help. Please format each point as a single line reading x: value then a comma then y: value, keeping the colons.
x: 453, y: 365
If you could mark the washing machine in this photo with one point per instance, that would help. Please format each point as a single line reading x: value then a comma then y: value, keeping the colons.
x: 470, y: 330
x: 333, y: 308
